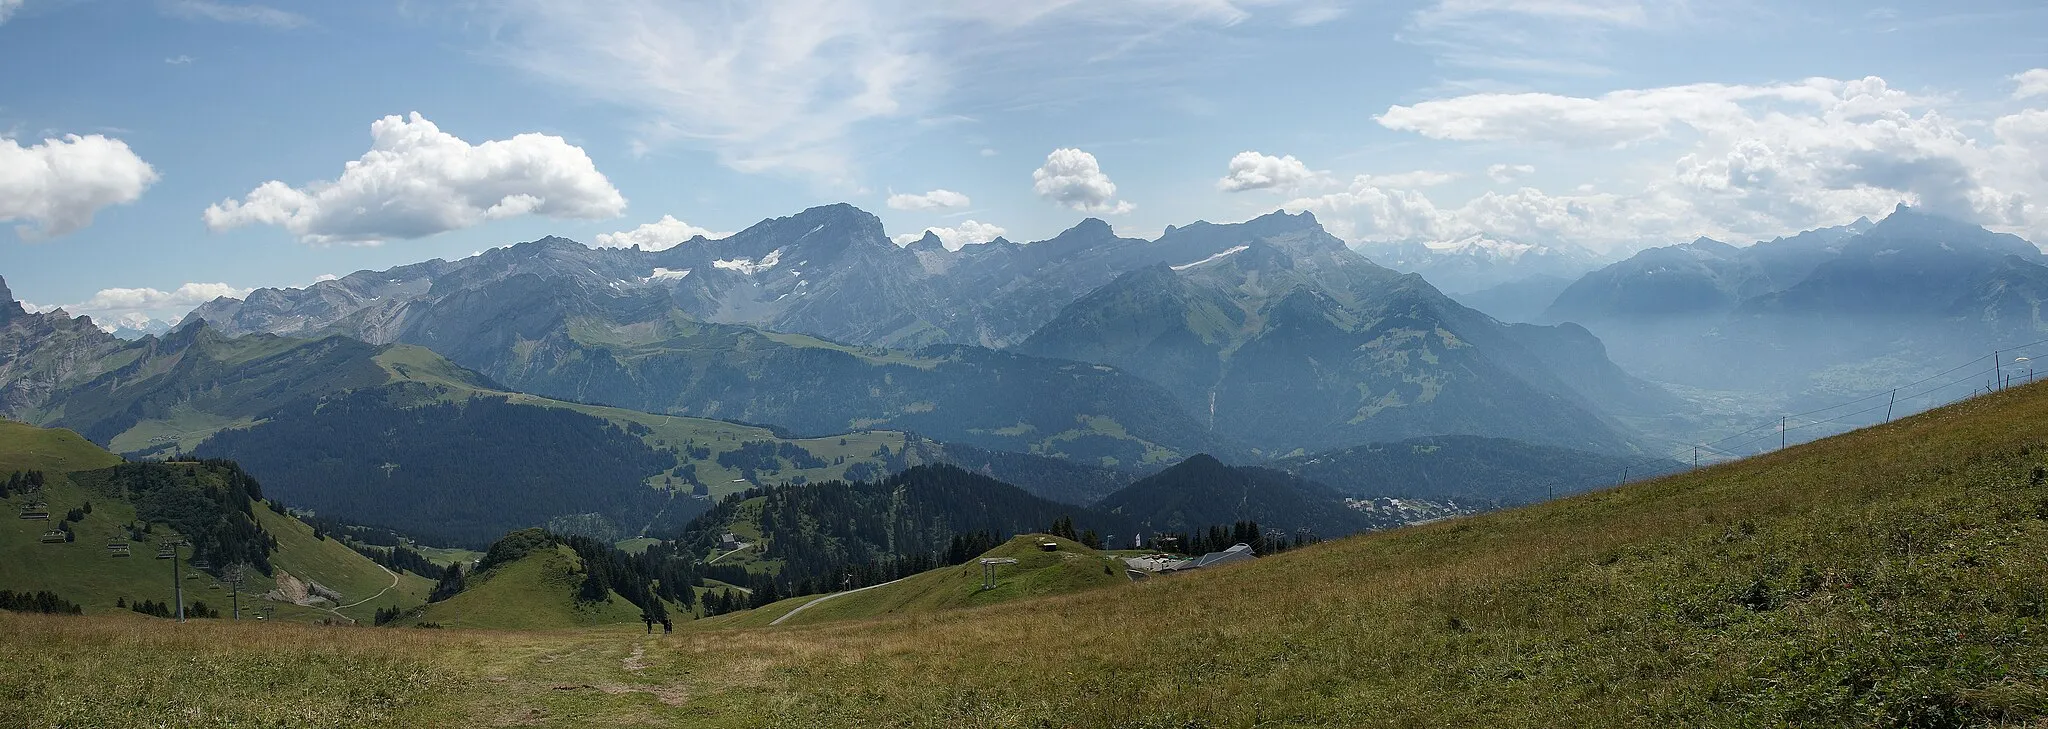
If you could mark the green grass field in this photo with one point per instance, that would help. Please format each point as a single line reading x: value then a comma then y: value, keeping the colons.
x: 1896, y: 576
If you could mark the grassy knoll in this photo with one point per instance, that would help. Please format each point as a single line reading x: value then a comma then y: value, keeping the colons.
x: 1896, y: 576
x: 535, y: 592
x: 1037, y: 573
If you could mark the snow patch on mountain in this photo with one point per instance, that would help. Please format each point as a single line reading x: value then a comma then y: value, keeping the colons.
x: 1212, y: 259
x: 669, y: 274
x: 1479, y: 246
x: 748, y: 266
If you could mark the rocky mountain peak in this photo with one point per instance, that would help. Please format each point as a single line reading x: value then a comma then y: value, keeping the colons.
x: 9, y: 308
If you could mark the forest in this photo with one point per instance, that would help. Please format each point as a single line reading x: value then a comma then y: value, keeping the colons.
x: 456, y: 474
x: 210, y: 502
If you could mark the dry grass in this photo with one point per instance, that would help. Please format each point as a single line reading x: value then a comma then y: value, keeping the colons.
x: 1892, y: 577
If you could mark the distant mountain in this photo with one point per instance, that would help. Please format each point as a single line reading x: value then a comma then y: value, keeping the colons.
x: 1480, y: 262
x: 1202, y: 491
x: 1817, y: 315
x: 1470, y: 470
x: 1289, y: 340
x: 1519, y: 300
x: 135, y: 326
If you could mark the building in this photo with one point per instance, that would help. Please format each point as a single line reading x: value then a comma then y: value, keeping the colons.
x: 1237, y: 553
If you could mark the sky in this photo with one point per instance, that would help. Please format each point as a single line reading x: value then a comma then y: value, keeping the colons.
x: 157, y: 153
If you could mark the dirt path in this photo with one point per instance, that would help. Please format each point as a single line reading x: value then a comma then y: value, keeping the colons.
x: 380, y: 593
x: 806, y: 606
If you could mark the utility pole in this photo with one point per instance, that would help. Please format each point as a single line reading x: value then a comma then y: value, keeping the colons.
x: 1781, y: 433
x: 1695, y: 456
x: 1888, y: 406
x: 1998, y: 369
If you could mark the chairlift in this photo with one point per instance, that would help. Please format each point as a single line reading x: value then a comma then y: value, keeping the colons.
x: 200, y: 564
x: 121, y: 551
x: 165, y: 553
x: 35, y: 511
x: 53, y: 536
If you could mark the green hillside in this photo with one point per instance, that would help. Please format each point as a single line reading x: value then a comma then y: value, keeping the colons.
x: 534, y: 592
x: 85, y: 572
x: 1894, y: 576
x: 1037, y: 572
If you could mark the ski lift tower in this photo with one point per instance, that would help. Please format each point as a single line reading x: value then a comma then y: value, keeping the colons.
x: 177, y: 585
x: 988, y: 570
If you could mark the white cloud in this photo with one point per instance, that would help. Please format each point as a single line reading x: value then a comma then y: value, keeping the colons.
x: 1072, y: 178
x: 955, y: 238
x: 325, y: 277
x: 781, y: 84
x: 1740, y: 162
x: 933, y: 200
x: 2031, y: 84
x: 1254, y: 171
x: 1505, y: 173
x: 7, y: 8
x: 180, y: 60
x: 418, y: 181
x: 231, y: 13
x: 56, y: 186
x: 659, y: 235
x: 1408, y: 180
x: 112, y: 304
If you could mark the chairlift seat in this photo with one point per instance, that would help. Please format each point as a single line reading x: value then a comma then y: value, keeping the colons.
x: 53, y: 536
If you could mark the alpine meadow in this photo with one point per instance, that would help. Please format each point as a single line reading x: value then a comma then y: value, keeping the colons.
x: 1199, y: 364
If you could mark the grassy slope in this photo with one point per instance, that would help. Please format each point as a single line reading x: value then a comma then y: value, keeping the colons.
x: 333, y: 564
x: 1893, y: 576
x: 82, y: 571
x: 1037, y: 573
x: 535, y: 592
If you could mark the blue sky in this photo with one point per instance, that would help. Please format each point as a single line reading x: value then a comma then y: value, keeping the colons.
x: 1613, y: 124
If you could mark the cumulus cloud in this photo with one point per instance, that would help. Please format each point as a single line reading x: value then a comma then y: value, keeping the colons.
x: 933, y: 200
x: 660, y: 235
x: 1073, y: 178
x: 2031, y: 84
x: 56, y: 186
x: 325, y: 277
x: 231, y: 13
x: 1504, y: 173
x: 418, y: 181
x: 1744, y: 162
x: 7, y: 8
x: 1254, y: 171
x: 781, y: 84
x: 118, y: 305
x: 955, y: 238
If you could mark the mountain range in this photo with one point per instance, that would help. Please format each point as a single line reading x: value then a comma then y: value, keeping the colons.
x: 819, y: 323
